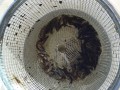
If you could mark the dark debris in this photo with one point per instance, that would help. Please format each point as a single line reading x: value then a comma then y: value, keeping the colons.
x: 19, y: 26
x: 17, y: 80
x: 90, y: 48
x: 16, y: 34
x: 54, y: 6
x: 38, y: 20
x: 60, y: 2
x: 26, y: 4
x: 40, y: 4
x: 9, y: 25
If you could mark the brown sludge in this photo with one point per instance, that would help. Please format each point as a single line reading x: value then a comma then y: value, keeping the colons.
x: 88, y: 57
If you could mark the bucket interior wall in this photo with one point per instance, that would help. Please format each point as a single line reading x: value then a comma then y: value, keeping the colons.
x: 19, y: 51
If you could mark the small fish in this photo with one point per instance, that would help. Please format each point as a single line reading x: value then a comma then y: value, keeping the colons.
x: 88, y: 56
x: 39, y: 46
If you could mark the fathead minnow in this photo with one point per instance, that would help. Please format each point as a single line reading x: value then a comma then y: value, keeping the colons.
x: 89, y: 53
